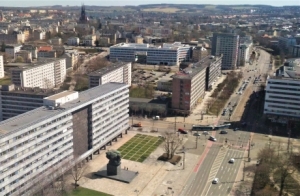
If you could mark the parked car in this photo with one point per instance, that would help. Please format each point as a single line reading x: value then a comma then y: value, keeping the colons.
x: 205, y: 133
x: 235, y: 129
x: 196, y: 134
x: 137, y: 125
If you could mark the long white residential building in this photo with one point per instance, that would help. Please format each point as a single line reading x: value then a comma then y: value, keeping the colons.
x: 36, y: 146
x: 46, y: 73
x: 168, y: 54
x: 117, y: 72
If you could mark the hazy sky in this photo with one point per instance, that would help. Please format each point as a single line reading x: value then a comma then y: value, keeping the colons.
x: 23, y: 3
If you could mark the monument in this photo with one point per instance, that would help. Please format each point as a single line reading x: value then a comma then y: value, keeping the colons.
x: 113, y: 168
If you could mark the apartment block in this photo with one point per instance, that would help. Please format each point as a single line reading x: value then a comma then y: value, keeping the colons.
x: 1, y: 67
x: 46, y: 73
x: 32, y: 49
x: 226, y: 44
x: 11, y: 50
x: 73, y: 41
x: 69, y: 128
x: 244, y: 53
x: 168, y: 54
x: 12, y: 38
x: 15, y: 100
x: 116, y: 72
x: 198, y: 53
x: 188, y: 87
x: 283, y: 93
x: 71, y: 57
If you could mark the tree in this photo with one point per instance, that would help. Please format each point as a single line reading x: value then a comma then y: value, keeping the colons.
x: 19, y: 59
x: 77, y: 172
x: 285, y: 168
x: 3, y: 47
x: 171, y: 143
x: 97, y: 43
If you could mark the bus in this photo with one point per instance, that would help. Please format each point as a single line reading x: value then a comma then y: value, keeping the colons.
x: 223, y: 126
x: 202, y: 128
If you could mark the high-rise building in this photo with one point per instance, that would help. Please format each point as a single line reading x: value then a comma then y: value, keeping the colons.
x: 226, y: 44
x: 70, y: 127
x: 1, y: 67
x: 117, y: 72
x: 283, y: 93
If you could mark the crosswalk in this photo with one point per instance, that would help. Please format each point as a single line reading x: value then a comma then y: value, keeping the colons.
x: 217, y: 163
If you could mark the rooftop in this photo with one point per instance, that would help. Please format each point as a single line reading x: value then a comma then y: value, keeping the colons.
x: 107, y: 69
x: 43, y: 113
x: 59, y: 95
x: 173, y: 46
x: 190, y: 72
x: 29, y: 91
x: 40, y: 62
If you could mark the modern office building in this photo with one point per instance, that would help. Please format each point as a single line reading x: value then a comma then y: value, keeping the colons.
x: 188, y: 87
x: 46, y: 73
x: 1, y: 67
x: 168, y: 54
x: 16, y: 100
x: 116, y: 72
x: 226, y: 44
x: 282, y: 100
x: 47, y: 141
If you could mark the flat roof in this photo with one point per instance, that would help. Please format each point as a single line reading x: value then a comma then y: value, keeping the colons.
x: 170, y: 46
x: 107, y: 69
x: 59, y: 95
x: 32, y: 91
x: 190, y: 72
x: 40, y: 62
x: 43, y: 113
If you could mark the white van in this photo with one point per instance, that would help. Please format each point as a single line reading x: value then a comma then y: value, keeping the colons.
x: 156, y: 118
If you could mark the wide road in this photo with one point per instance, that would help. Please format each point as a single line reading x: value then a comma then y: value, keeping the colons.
x: 214, y: 161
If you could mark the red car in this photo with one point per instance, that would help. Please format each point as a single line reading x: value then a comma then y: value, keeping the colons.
x: 182, y: 131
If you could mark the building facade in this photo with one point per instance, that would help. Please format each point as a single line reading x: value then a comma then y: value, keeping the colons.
x: 49, y: 140
x: 73, y: 41
x: 117, y: 72
x: 244, y: 54
x: 11, y: 50
x: 188, y: 87
x: 16, y: 100
x: 168, y: 54
x: 213, y: 71
x: 46, y: 73
x: 198, y: 53
x: 282, y: 99
x: 226, y: 44
x: 25, y: 55
x: 296, y: 51
x: 1, y: 67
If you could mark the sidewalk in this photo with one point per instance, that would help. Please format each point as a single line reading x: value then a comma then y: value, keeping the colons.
x: 154, y: 178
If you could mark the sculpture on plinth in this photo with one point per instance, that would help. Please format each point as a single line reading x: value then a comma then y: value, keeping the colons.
x: 113, y: 166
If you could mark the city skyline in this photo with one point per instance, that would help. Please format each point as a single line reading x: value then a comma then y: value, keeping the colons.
x: 26, y: 3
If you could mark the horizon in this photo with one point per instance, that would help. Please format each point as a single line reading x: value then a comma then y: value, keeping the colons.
x: 34, y: 3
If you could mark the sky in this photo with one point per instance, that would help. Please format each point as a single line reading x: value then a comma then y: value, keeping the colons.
x: 29, y: 3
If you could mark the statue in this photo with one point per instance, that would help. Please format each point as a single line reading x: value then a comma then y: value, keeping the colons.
x: 114, y: 157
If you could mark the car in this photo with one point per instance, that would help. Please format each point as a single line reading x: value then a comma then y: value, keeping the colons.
x: 223, y: 132
x: 211, y: 138
x: 205, y: 133
x: 235, y: 129
x: 231, y: 160
x: 215, y: 181
x: 196, y: 134
x: 182, y: 131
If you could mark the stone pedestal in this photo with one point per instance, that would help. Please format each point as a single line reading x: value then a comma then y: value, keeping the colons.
x: 113, y: 170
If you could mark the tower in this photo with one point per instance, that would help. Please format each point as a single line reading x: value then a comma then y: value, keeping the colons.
x: 83, y: 17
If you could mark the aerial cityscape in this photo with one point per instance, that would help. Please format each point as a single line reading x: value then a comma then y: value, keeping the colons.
x: 156, y: 99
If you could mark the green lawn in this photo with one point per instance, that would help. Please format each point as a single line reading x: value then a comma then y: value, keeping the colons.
x: 5, y: 81
x: 87, y: 192
x: 139, y: 147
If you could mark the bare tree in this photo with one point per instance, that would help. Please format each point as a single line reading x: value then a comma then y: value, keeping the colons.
x: 77, y: 172
x: 285, y: 169
x: 171, y: 143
